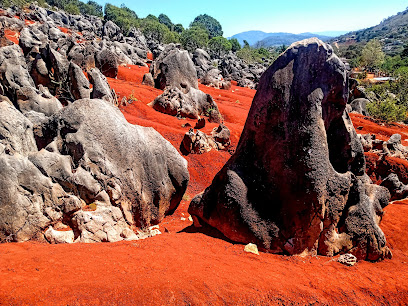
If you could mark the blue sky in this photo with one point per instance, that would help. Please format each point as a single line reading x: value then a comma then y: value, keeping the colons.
x: 294, y: 16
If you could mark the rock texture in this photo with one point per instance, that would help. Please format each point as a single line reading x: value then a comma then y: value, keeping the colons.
x: 296, y: 182
x: 89, y: 156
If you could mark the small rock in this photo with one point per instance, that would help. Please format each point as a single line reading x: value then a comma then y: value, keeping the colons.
x: 190, y: 218
x: 251, y: 248
x: 347, y: 259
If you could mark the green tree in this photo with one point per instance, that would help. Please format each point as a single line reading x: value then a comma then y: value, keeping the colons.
x: 72, y: 8
x: 154, y: 30
x: 164, y: 19
x: 178, y: 28
x: 219, y: 45
x: 235, y: 45
x: 246, y: 44
x: 152, y: 17
x: 91, y: 8
x: 124, y: 17
x: 193, y: 38
x: 388, y: 110
x: 211, y: 24
x: 372, y: 56
x: 404, y: 53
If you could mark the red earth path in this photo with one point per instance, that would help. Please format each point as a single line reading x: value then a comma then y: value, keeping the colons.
x: 183, y: 266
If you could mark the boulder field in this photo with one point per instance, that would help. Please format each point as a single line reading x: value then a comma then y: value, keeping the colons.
x: 78, y: 165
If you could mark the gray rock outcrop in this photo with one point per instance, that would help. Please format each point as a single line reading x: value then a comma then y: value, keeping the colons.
x: 296, y: 183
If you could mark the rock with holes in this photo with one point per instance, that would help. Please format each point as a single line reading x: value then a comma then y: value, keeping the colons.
x: 296, y: 182
x: 221, y: 136
x: 118, y: 163
x: 89, y: 157
x: 196, y: 143
x: 191, y: 105
x: 397, y: 189
x: 347, y: 259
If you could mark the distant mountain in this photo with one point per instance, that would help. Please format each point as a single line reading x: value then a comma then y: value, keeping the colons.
x: 263, y: 39
x: 251, y: 37
x: 392, y: 32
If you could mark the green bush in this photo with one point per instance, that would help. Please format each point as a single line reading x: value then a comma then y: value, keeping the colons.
x: 124, y: 17
x: 387, y: 110
x: 219, y: 45
x: 194, y: 37
x: 235, y: 45
x: 72, y: 8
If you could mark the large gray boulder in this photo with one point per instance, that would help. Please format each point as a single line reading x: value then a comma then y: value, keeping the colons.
x: 359, y: 106
x: 100, y: 86
x: 106, y: 62
x: 192, y: 104
x: 106, y: 179
x: 174, y: 69
x: 296, y: 183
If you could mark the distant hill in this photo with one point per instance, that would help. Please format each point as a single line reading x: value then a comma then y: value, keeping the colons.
x: 274, y: 39
x: 392, y: 32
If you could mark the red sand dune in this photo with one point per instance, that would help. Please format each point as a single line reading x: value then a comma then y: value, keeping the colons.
x: 182, y: 266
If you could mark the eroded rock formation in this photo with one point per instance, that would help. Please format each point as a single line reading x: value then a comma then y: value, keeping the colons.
x: 296, y: 182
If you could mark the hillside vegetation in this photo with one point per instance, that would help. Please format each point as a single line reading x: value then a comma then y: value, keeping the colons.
x: 391, y: 32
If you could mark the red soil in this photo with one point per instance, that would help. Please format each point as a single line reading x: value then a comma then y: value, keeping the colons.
x: 12, y: 35
x: 183, y: 266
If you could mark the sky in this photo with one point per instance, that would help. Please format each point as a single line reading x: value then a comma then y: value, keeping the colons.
x: 292, y: 16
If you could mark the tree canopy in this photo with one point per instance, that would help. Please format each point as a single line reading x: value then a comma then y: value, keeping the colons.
x: 194, y: 37
x: 219, y: 45
x: 211, y: 24
x: 372, y: 55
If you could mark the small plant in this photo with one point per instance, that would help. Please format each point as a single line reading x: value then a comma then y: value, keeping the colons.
x: 387, y: 110
x: 132, y: 98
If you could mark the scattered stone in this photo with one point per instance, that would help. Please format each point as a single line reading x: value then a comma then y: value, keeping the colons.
x: 200, y: 124
x: 251, y: 248
x: 347, y: 259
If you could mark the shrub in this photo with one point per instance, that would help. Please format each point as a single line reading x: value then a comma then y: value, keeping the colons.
x: 219, y: 45
x: 124, y: 17
x: 193, y: 38
x: 387, y: 110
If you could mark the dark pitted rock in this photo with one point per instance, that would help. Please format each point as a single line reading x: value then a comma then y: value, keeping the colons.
x: 200, y: 124
x: 106, y: 62
x: 196, y: 143
x: 38, y: 100
x: 296, y: 182
x: 221, y: 135
x: 191, y: 105
x: 100, y: 87
x: 397, y: 189
x: 360, y: 106
x: 174, y: 69
x: 13, y: 24
x: 79, y: 84
x: 148, y: 79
